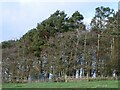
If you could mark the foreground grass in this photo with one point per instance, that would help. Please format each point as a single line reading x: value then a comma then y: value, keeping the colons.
x: 79, y: 84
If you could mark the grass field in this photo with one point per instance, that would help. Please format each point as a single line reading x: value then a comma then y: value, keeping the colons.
x: 79, y: 84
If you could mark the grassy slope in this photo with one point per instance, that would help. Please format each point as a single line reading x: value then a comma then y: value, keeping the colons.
x: 80, y: 84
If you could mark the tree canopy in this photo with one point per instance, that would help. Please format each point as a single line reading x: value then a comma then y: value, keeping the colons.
x: 61, y: 45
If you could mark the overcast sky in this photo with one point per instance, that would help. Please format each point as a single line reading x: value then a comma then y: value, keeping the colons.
x: 17, y: 17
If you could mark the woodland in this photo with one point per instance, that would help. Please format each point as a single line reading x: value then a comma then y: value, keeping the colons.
x: 63, y: 46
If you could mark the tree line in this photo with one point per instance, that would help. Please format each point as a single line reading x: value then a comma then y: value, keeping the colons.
x: 61, y: 45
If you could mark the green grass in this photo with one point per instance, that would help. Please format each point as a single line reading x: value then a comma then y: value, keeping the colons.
x: 79, y: 84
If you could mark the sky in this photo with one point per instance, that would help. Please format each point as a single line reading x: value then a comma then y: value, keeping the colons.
x: 18, y: 17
